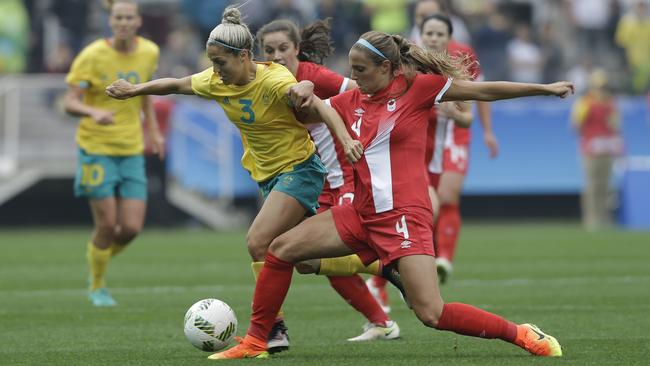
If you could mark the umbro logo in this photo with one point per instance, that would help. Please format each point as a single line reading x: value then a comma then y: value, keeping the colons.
x: 358, y: 112
x: 406, y: 244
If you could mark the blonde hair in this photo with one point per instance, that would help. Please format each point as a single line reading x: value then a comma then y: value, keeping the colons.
x: 231, y: 34
x: 409, y: 58
x: 108, y: 4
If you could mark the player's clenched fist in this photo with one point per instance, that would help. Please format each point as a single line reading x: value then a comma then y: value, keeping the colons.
x: 121, y: 89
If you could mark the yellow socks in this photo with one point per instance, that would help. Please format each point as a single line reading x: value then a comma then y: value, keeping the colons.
x: 257, y: 268
x: 116, y: 249
x: 347, y: 266
x: 98, y: 262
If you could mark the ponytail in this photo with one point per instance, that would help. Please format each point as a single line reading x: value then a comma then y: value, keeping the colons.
x: 417, y: 59
x: 316, y: 43
x: 409, y: 58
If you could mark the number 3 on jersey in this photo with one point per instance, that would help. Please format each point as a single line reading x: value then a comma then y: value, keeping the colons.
x: 249, y: 115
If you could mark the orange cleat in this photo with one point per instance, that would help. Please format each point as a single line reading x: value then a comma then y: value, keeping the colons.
x: 248, y: 347
x: 533, y: 340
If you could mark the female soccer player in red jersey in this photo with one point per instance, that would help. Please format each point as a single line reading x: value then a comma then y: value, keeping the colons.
x: 302, y: 52
x: 390, y: 218
x: 446, y: 155
x: 436, y: 32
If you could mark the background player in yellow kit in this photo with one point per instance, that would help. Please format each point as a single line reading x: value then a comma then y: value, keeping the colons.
x: 111, y: 169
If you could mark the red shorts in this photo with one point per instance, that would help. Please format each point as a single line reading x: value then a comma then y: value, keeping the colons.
x: 388, y: 236
x: 333, y: 197
x: 456, y: 159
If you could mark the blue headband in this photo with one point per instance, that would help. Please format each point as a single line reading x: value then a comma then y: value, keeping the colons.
x: 224, y: 44
x: 372, y: 48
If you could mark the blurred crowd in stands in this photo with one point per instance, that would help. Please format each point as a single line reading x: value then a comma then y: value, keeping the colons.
x: 520, y: 40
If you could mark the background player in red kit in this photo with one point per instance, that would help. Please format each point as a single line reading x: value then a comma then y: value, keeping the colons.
x: 302, y: 52
x: 390, y: 218
x: 457, y: 143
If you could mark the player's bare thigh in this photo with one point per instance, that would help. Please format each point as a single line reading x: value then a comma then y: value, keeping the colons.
x: 420, y: 279
x: 450, y: 187
x: 104, y: 213
x: 279, y: 213
x: 314, y: 238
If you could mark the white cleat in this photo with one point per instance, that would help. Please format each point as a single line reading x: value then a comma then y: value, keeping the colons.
x: 374, y: 332
x: 444, y: 269
x: 379, y: 294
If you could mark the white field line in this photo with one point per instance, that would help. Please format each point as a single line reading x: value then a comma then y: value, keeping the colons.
x: 511, y: 282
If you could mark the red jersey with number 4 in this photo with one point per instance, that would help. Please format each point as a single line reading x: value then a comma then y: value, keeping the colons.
x: 461, y: 136
x: 327, y: 84
x: 392, y: 126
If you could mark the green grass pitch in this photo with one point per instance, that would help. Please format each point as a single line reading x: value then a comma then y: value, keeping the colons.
x: 592, y: 291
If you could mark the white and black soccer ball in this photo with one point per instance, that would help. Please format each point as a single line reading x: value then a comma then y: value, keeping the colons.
x: 210, y: 325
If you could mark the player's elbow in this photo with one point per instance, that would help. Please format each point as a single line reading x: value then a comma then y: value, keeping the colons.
x: 69, y: 105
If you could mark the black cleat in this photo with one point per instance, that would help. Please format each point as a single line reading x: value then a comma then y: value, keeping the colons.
x: 278, y: 338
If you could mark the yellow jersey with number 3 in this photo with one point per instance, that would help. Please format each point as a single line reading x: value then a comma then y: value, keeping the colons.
x: 273, y: 139
x: 96, y: 67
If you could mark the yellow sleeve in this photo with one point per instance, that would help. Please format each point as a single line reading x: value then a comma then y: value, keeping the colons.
x: 81, y: 73
x: 281, y: 81
x: 579, y: 111
x: 201, y: 83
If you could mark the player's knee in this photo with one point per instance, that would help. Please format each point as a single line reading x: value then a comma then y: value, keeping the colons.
x: 428, y: 317
x: 105, y: 228
x: 129, y: 231
x: 448, y: 196
x: 257, y: 245
x: 283, y: 248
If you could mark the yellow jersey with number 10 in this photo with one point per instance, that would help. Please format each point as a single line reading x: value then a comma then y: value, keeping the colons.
x: 274, y: 140
x: 96, y: 67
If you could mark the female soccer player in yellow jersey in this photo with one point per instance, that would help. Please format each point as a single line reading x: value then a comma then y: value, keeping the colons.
x: 303, y: 52
x: 110, y: 170
x: 258, y: 98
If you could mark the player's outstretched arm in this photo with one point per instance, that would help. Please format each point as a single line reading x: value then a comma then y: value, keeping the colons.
x: 497, y: 90
x: 122, y: 89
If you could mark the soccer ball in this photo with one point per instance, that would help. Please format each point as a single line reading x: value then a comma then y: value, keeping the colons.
x: 210, y: 325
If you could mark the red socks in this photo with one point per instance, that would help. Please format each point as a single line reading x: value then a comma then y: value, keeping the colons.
x: 353, y: 290
x: 270, y: 290
x: 471, y: 321
x: 447, y: 230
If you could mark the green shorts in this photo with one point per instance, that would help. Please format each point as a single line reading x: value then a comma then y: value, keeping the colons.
x: 101, y: 176
x: 304, y: 183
